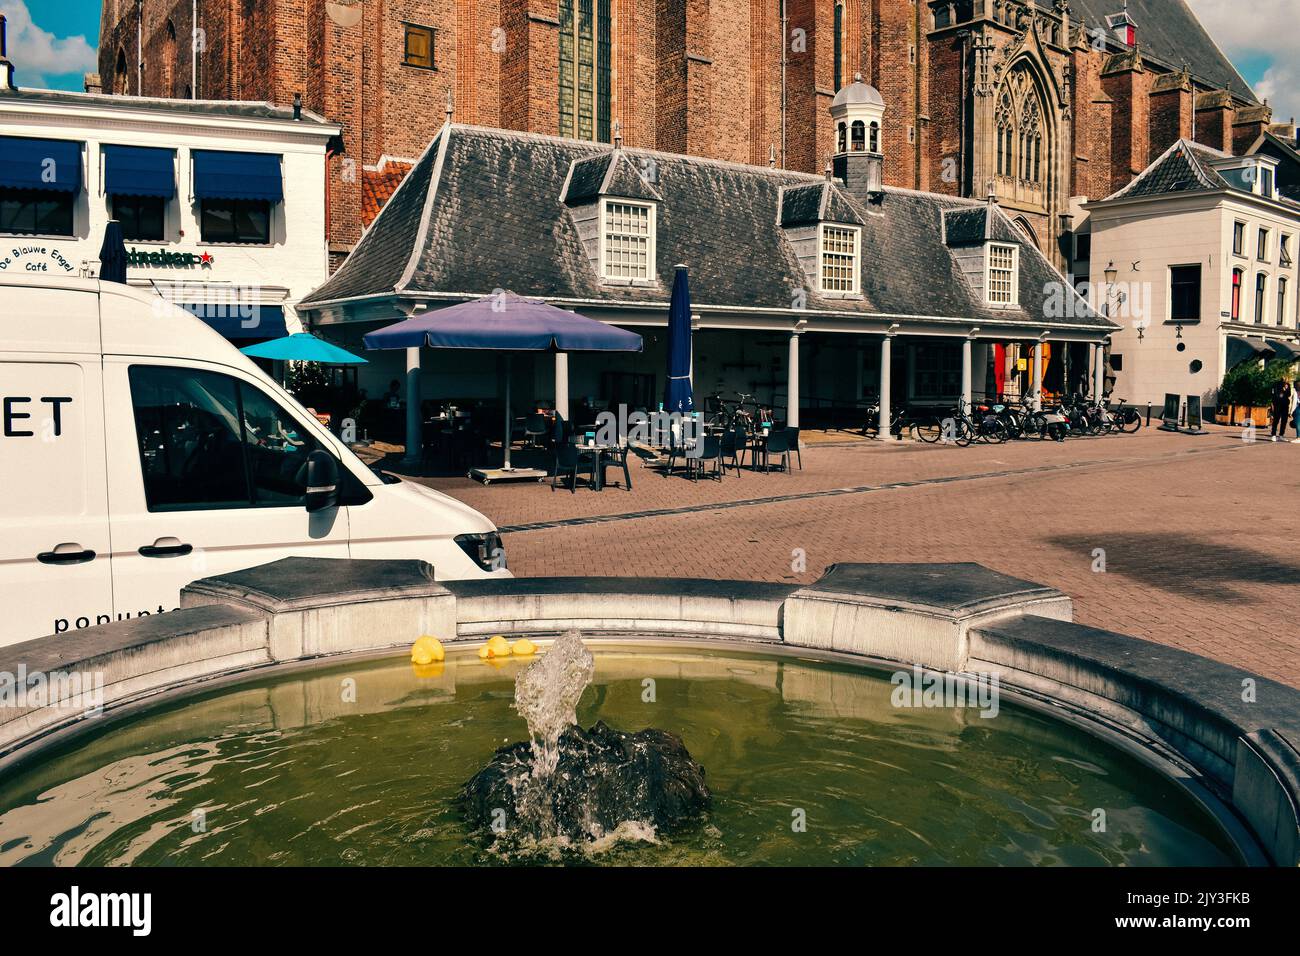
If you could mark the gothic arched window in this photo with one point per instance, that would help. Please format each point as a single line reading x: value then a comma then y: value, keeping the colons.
x: 859, y: 136
x: 873, y: 142
x: 1020, y: 127
x: 1005, y: 124
x: 1031, y: 138
x: 841, y: 134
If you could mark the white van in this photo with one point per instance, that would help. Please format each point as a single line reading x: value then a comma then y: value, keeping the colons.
x: 139, y: 451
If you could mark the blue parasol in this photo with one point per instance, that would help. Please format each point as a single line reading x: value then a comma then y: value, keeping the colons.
x: 302, y: 347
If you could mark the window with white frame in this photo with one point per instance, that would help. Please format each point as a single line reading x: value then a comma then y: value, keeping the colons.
x: 1001, y: 279
x: 628, y: 240
x: 839, y: 259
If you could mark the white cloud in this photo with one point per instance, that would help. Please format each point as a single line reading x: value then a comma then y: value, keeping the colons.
x: 1280, y: 85
x: 37, y: 53
x: 1263, y: 29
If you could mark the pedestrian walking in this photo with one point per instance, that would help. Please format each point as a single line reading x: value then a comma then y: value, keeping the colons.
x: 1281, y: 410
x: 1295, y: 413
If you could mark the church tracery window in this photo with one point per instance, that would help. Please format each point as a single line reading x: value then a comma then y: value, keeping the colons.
x: 1020, y: 128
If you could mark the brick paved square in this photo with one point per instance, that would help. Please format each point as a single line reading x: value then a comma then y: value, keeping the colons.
x: 1199, y: 534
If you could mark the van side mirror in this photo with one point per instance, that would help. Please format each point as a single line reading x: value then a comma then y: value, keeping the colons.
x: 322, y: 481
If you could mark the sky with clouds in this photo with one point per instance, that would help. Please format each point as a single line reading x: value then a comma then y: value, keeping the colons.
x: 52, y: 43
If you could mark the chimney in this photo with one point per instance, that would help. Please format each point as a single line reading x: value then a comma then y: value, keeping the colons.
x: 6, y: 68
x: 93, y: 83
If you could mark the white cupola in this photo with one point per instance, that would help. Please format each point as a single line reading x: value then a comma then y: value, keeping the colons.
x: 858, y: 111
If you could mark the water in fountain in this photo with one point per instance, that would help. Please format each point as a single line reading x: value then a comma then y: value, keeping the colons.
x: 569, y: 786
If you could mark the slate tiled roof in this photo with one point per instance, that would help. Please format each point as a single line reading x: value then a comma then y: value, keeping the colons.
x: 495, y: 219
x: 1169, y: 32
x: 378, y: 186
x: 378, y: 261
x: 1183, y: 167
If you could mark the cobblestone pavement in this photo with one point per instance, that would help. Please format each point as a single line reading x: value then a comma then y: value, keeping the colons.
x: 1200, y: 535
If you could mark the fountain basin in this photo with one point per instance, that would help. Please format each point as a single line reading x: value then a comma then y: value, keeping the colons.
x: 1181, y: 716
x: 809, y: 761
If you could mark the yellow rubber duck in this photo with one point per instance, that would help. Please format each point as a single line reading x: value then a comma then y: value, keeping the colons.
x: 523, y: 647
x: 496, y: 646
x: 427, y: 650
x: 427, y: 671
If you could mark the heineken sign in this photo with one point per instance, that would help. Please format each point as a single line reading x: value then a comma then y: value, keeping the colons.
x: 161, y: 257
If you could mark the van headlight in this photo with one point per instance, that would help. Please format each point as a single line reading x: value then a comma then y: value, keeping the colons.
x: 485, y: 550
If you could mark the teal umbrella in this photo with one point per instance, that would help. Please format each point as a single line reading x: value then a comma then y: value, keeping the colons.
x: 302, y: 347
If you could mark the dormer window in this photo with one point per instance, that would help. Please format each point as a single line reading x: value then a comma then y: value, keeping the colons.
x: 839, y: 258
x: 1251, y: 175
x: 627, y: 240
x: 1002, y: 273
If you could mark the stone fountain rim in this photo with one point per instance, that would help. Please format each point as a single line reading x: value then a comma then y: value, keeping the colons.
x: 963, y: 618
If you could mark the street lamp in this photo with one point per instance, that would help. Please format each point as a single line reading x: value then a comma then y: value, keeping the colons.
x: 1111, y: 274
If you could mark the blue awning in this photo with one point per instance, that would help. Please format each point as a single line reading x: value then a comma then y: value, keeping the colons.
x: 53, y: 164
x: 139, y: 171
x: 236, y: 321
x: 221, y: 175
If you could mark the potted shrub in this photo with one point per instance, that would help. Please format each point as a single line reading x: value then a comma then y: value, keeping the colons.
x: 1246, y: 391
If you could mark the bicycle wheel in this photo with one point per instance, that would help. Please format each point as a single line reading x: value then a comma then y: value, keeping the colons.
x: 1013, y: 425
x: 964, y: 431
x: 1131, y: 424
x: 928, y: 429
x: 994, y: 431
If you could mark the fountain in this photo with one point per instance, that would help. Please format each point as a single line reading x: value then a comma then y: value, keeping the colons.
x: 570, y: 786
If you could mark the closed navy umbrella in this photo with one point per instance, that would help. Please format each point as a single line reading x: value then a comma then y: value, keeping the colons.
x: 677, y: 392
x: 112, y: 254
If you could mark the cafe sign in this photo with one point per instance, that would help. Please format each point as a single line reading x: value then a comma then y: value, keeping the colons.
x: 35, y: 258
x: 161, y: 257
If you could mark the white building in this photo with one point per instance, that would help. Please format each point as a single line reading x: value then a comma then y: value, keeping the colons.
x: 1196, y: 259
x: 222, y: 204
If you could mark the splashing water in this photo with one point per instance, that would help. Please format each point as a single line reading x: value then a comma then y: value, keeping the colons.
x: 572, y: 789
x: 547, y: 694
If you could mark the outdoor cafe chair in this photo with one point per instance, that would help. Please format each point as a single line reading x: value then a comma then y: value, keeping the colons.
x: 710, y: 456
x: 571, y: 460
x: 792, y: 435
x: 614, y: 456
x: 735, y: 443
x: 778, y: 443
x: 535, y: 426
